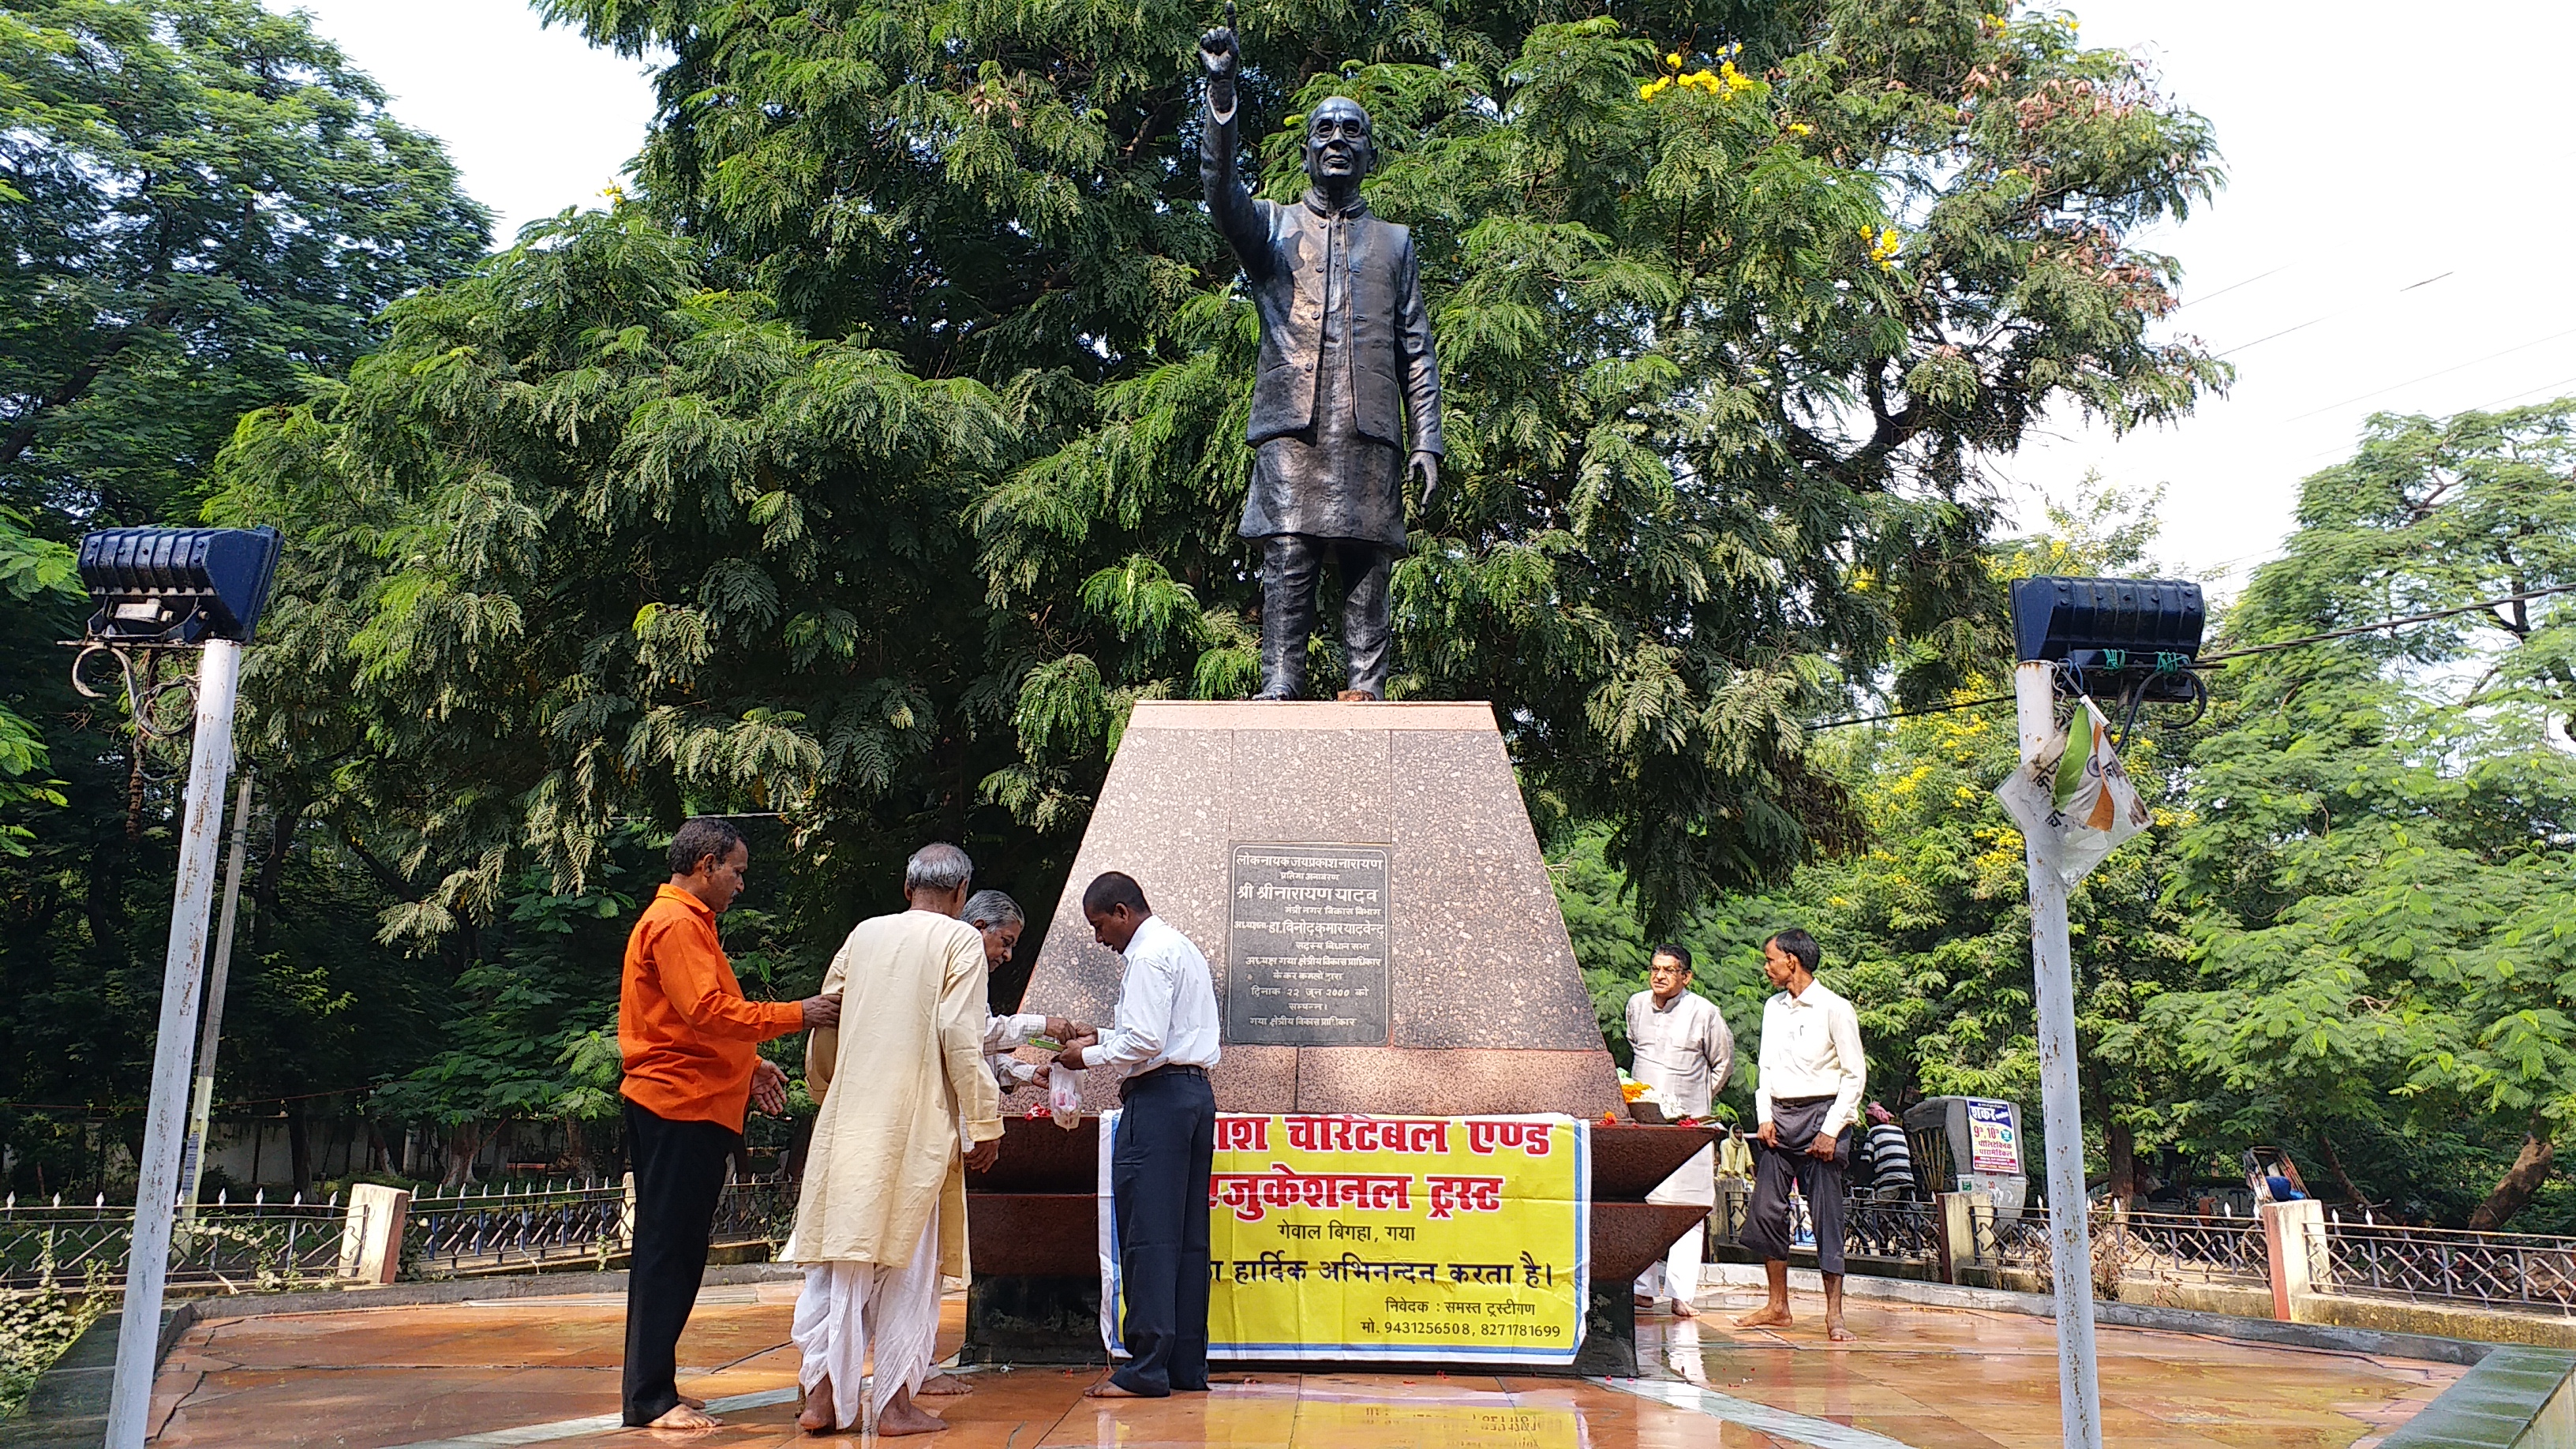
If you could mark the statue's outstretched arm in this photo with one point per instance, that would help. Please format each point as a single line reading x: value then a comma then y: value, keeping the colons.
x: 1229, y: 200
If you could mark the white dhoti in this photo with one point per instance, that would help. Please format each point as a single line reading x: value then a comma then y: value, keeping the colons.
x: 847, y: 1311
x: 1677, y: 1276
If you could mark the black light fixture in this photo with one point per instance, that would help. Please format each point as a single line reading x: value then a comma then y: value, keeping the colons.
x: 177, y: 585
x: 2135, y: 639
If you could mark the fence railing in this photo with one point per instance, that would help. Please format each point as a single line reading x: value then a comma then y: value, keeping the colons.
x: 2332, y: 1255
x: 2182, y: 1247
x: 1871, y: 1227
x: 1908, y: 1230
x: 2010, y: 1242
x: 239, y: 1247
x: 505, y: 1230
x: 2514, y: 1271
x: 230, y: 1247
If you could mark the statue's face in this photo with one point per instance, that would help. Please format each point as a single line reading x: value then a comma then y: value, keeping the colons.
x: 1338, y: 148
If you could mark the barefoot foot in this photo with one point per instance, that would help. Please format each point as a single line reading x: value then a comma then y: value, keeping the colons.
x: 903, y: 1417
x: 1682, y: 1309
x: 1835, y: 1331
x: 1764, y: 1318
x: 1108, y: 1389
x: 939, y: 1386
x: 682, y: 1417
x: 818, y: 1417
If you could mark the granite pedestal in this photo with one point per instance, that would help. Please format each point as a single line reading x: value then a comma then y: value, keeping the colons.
x: 1366, y: 887
x: 1479, y: 1006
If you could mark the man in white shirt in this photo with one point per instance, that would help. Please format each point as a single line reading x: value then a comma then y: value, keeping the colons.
x: 1805, y: 1099
x: 1166, y: 1036
x: 1683, y: 1051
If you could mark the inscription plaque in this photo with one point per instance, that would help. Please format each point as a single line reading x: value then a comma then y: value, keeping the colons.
x: 1307, y: 944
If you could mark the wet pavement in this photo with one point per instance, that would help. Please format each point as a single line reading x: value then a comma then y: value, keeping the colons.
x: 545, y: 1370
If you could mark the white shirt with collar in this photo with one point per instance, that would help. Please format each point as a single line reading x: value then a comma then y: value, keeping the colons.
x: 1811, y: 1048
x: 1166, y: 1006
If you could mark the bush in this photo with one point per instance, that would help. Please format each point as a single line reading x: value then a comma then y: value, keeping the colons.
x: 35, y: 1328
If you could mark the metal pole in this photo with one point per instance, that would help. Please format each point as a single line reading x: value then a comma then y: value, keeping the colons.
x: 2079, y: 1384
x: 139, y: 1328
x: 192, y: 1157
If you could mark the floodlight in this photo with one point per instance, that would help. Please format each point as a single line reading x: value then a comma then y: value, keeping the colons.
x: 2140, y: 634
x: 177, y: 585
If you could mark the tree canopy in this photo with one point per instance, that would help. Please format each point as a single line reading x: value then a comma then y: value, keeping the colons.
x: 1729, y: 301
x: 202, y: 209
x: 2345, y: 932
x: 200, y: 204
x: 860, y: 471
x: 2379, y: 874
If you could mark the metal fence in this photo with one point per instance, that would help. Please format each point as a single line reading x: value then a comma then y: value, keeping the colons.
x: 2516, y: 1272
x: 2015, y: 1242
x: 2181, y: 1247
x: 1871, y: 1227
x: 500, y: 1230
x: 1905, y: 1230
x: 231, y: 1247
x: 507, y: 1230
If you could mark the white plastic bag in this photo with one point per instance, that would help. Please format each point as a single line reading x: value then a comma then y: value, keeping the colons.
x: 1064, y: 1095
x: 2077, y: 793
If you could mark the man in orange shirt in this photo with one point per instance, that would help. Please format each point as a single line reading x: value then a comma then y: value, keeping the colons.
x: 691, y: 1044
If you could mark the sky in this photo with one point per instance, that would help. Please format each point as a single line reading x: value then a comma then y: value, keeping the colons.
x: 2388, y: 239
x: 534, y: 118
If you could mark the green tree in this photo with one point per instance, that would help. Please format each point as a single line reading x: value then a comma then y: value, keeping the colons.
x: 1720, y: 354
x: 33, y: 571
x: 587, y: 544
x: 2378, y: 873
x: 202, y: 209
x: 201, y: 203
x: 1926, y: 920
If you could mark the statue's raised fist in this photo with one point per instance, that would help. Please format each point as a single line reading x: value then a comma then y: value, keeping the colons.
x: 1218, y: 52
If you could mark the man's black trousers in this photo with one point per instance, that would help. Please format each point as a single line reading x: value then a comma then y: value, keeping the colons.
x: 1158, y: 1175
x: 679, y: 1169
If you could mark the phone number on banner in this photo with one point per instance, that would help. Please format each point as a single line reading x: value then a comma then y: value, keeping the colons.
x: 1400, y: 1239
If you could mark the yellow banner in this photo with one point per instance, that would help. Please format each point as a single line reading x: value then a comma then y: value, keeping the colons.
x: 1403, y: 1239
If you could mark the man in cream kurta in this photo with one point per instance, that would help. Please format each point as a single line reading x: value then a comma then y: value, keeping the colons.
x: 883, y: 1211
x: 1685, y: 1052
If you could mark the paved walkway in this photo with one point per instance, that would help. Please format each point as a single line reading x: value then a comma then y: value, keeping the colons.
x: 535, y: 1371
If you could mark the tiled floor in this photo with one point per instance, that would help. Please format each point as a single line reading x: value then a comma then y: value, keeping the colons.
x: 1925, y: 1378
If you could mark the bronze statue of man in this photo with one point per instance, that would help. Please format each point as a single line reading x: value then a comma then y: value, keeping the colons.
x: 1347, y: 391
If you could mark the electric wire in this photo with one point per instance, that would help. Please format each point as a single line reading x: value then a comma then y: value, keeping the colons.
x: 2250, y: 650
x: 2427, y: 377
x: 2133, y: 698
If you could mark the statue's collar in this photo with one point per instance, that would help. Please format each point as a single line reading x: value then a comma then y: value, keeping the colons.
x: 1319, y: 204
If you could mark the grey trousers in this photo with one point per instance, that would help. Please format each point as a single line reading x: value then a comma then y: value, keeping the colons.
x: 1796, y: 1122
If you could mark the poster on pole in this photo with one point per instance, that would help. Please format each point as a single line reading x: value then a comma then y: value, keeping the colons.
x: 2076, y: 795
x: 1994, y: 1137
x: 1387, y: 1239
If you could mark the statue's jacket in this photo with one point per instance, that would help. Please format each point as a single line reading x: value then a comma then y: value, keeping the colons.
x: 1392, y: 384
